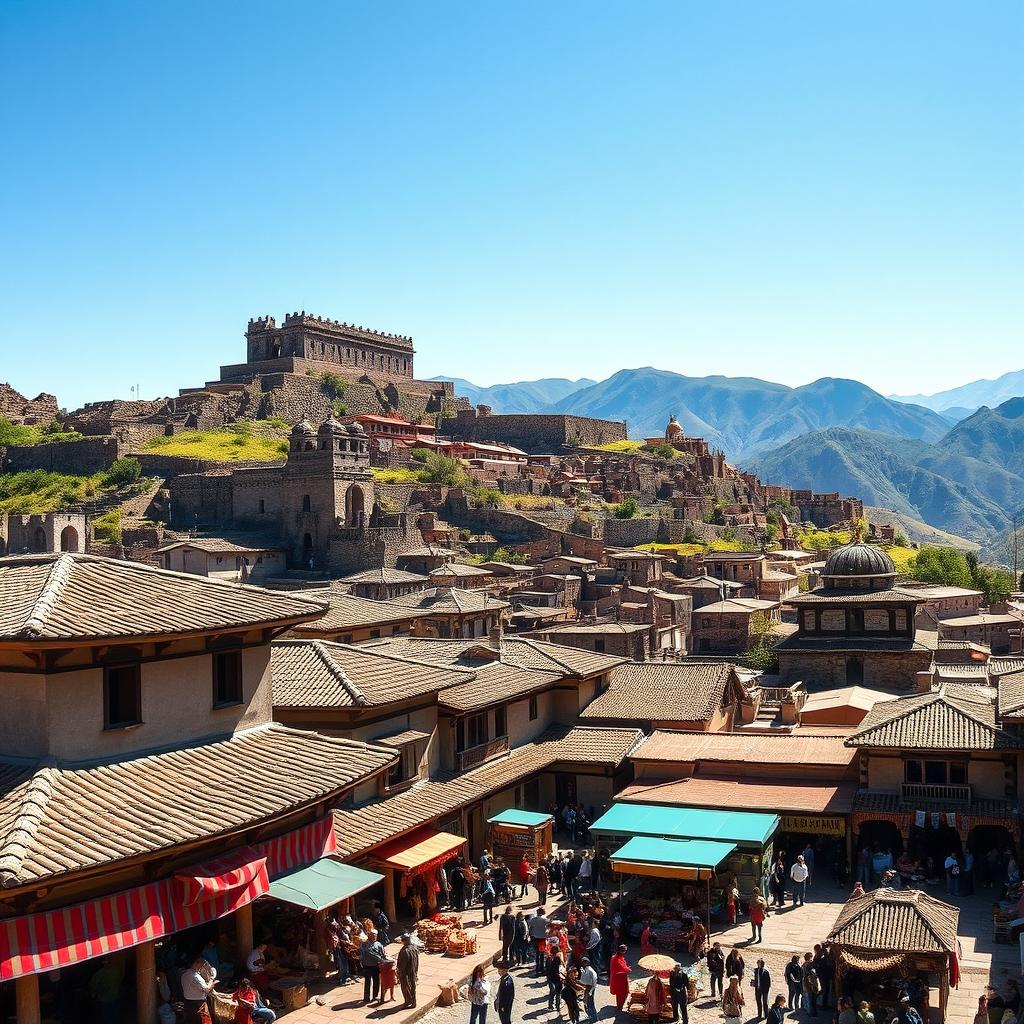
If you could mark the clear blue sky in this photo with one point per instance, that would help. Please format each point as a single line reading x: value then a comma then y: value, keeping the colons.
x: 787, y: 190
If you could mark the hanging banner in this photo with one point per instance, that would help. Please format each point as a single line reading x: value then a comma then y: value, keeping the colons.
x: 814, y: 824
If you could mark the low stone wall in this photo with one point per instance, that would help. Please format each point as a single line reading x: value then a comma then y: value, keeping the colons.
x: 535, y: 433
x: 628, y: 533
x: 83, y: 458
x: 168, y: 467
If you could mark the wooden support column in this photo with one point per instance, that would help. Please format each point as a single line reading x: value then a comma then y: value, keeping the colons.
x: 146, y: 994
x: 431, y: 881
x: 243, y: 935
x: 389, y: 894
x: 320, y: 939
x: 26, y: 991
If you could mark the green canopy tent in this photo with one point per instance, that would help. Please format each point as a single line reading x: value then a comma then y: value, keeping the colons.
x: 322, y: 884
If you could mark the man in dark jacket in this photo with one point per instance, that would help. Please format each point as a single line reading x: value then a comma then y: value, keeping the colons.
x: 777, y: 1014
x: 407, y: 968
x: 381, y: 923
x: 794, y: 981
x: 716, y: 967
x: 825, y: 967
x: 734, y: 964
x: 506, y: 995
x: 507, y: 934
x: 678, y: 983
x: 762, y: 983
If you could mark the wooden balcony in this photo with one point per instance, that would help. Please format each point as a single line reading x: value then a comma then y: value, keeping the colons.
x: 473, y: 756
x: 928, y: 792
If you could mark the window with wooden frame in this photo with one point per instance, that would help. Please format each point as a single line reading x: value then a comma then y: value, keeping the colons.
x: 227, y: 678
x: 122, y: 696
x: 934, y: 772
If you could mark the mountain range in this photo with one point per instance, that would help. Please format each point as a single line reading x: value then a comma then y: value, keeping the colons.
x: 965, y: 477
x: 962, y: 401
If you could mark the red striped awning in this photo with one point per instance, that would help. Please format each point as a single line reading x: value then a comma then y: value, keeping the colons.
x: 44, y: 941
x: 419, y: 851
x: 226, y: 874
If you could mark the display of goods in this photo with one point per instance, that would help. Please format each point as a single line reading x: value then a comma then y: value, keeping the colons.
x: 470, y: 942
x: 433, y: 934
x: 457, y: 943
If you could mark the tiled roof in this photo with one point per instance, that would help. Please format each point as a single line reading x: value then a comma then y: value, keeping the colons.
x: 868, y: 597
x: 897, y: 921
x: 57, y: 819
x: 399, y: 739
x: 736, y: 606
x: 778, y: 576
x: 950, y: 718
x: 981, y: 619
x: 347, y: 612
x: 891, y: 803
x: 1001, y: 665
x: 745, y: 794
x: 428, y: 551
x: 494, y: 683
x: 1011, y: 693
x: 384, y: 575
x: 599, y: 628
x: 220, y: 546
x: 365, y: 827
x: 321, y: 674
x: 451, y: 602
x: 86, y: 597
x: 653, y: 691
x: 934, y: 591
x: 733, y: 747
x: 459, y: 570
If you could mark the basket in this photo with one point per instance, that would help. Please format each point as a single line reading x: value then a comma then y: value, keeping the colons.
x: 294, y: 996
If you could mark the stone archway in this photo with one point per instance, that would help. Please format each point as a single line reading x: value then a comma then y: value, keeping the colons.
x: 69, y: 539
x: 355, y: 505
x: 39, y: 539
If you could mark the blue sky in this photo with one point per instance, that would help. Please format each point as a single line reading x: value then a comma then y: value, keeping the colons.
x: 785, y: 190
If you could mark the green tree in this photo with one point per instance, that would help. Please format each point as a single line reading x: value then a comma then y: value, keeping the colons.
x: 122, y: 473
x: 626, y: 509
x: 440, y: 469
x: 942, y: 565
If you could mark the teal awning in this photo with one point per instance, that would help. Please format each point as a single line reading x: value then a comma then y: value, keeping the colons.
x: 528, y: 819
x: 629, y: 819
x: 679, y: 853
x: 322, y: 884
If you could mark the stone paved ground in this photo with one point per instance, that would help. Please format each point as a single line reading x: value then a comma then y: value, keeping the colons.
x: 786, y: 932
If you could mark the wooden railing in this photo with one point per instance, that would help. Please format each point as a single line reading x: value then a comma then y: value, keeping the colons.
x: 929, y: 791
x: 472, y: 756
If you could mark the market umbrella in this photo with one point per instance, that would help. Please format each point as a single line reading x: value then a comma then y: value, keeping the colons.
x: 657, y: 963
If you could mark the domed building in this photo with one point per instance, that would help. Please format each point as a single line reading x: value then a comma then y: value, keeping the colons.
x: 673, y: 432
x: 855, y: 630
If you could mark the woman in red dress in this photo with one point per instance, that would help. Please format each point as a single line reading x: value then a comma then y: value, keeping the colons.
x: 618, y: 977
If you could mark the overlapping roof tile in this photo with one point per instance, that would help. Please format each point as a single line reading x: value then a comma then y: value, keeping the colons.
x: 656, y: 691
x: 897, y: 921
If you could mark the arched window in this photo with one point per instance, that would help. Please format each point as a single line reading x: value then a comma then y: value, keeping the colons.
x: 69, y: 539
x: 39, y: 539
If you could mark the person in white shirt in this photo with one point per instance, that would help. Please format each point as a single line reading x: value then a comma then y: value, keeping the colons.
x: 588, y: 979
x: 195, y: 987
x: 798, y: 873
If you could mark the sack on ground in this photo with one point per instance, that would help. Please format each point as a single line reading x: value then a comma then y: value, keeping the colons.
x: 449, y: 993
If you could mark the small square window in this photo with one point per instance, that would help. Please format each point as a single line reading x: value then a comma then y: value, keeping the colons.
x: 122, y: 696
x: 227, y: 678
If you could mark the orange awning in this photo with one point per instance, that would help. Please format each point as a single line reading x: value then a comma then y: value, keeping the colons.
x: 419, y: 851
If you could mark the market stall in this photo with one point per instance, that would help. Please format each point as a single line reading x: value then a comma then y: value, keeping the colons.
x: 894, y: 941
x: 410, y: 866
x: 751, y: 834
x: 690, y: 860
x: 513, y: 833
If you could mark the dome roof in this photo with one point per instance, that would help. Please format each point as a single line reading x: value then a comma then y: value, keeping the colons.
x: 673, y: 429
x: 303, y: 427
x: 859, y: 561
x: 331, y: 426
x: 356, y: 428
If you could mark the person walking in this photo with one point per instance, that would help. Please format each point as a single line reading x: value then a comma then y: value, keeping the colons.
x: 654, y: 999
x: 594, y: 941
x: 952, y: 866
x: 506, y: 996
x: 762, y: 983
x: 540, y: 882
x: 811, y: 986
x: 777, y: 1014
x: 479, y: 993
x: 808, y: 856
x: 457, y: 887
x: 798, y: 874
x: 371, y: 955
x: 794, y: 982
x: 618, y: 977
x: 777, y: 882
x: 734, y: 964
x: 678, y: 987
x: 487, y: 897
x: 381, y: 923
x: 521, y: 947
x: 588, y: 982
x: 716, y: 968
x: 758, y: 910
x: 733, y: 1002
x: 407, y: 967
x: 571, y: 994
x: 507, y: 933
x: 825, y: 968
x: 537, y: 927
x: 553, y: 973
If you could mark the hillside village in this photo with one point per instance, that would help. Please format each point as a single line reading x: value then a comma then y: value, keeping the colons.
x: 318, y: 638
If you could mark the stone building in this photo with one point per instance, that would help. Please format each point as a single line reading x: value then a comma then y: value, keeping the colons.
x: 857, y: 629
x: 730, y: 626
x: 54, y: 531
x: 320, y: 504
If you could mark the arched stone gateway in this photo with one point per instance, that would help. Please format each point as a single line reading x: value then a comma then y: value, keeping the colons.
x: 69, y: 540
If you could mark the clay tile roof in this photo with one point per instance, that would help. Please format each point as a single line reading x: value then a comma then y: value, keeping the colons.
x: 220, y: 546
x: 845, y: 596
x: 65, y: 596
x: 321, y: 674
x: 733, y: 748
x: 495, y: 683
x: 459, y: 570
x: 344, y: 611
x: 950, y: 718
x: 365, y: 827
x: 441, y: 601
x: 897, y: 921
x: 740, y: 793
x: 384, y: 575
x: 653, y: 691
x: 57, y: 819
x: 1002, y: 665
x: 1011, y: 694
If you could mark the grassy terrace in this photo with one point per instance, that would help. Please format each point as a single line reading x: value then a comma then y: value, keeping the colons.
x: 37, y: 491
x: 245, y: 441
